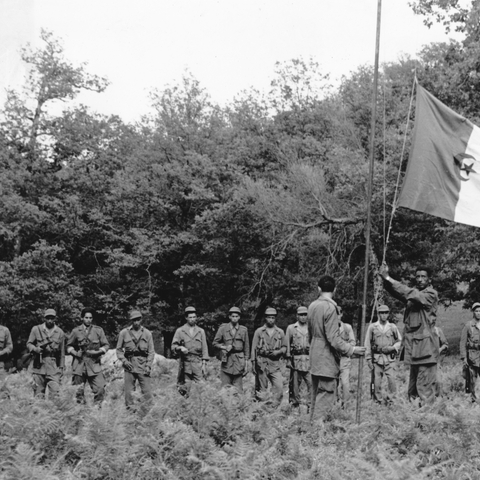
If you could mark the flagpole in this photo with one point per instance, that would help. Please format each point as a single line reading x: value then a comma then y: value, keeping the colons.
x: 369, y: 208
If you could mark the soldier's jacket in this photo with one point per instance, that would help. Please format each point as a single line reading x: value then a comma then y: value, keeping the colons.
x: 326, y: 345
x: 196, y: 344
x: 470, y: 343
x: 378, y: 337
x: 264, y: 344
x: 52, y: 360
x: 420, y: 339
x: 6, y: 345
x: 137, y: 347
x: 234, y: 361
x: 298, y: 347
x: 82, y: 339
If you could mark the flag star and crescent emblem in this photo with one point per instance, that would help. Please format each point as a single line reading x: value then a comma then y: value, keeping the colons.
x: 442, y: 176
x: 465, y: 164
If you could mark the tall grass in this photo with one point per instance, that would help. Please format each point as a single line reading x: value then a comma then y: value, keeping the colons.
x: 218, y: 434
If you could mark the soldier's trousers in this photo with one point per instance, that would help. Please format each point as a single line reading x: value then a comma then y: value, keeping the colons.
x: 387, y: 370
x: 145, y: 383
x: 4, y: 391
x: 96, y: 382
x: 323, y: 396
x: 189, y: 371
x: 262, y: 378
x: 343, y: 382
x: 474, y: 373
x: 233, y: 380
x: 294, y: 387
x: 422, y: 382
x: 52, y: 380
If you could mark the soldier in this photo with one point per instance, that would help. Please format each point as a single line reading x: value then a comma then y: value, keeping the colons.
x: 232, y: 340
x: 87, y: 343
x: 298, y: 347
x: 470, y: 349
x: 326, y: 346
x: 136, y: 351
x: 382, y: 342
x: 420, y: 339
x: 269, y: 345
x: 6, y: 348
x: 47, y: 345
x: 346, y: 332
x: 190, y: 343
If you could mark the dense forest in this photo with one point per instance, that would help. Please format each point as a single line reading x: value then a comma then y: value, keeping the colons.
x: 246, y: 204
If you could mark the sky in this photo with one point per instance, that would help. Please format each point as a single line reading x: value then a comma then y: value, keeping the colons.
x: 228, y: 45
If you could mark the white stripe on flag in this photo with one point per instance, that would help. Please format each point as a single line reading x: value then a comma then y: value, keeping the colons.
x: 467, y: 209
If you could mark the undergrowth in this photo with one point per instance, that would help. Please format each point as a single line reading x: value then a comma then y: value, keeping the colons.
x: 218, y: 434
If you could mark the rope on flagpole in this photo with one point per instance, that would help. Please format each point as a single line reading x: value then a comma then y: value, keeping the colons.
x: 397, y: 183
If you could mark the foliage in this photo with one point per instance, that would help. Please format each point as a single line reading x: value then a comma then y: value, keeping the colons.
x: 218, y: 434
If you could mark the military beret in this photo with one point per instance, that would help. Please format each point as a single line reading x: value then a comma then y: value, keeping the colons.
x: 235, y: 310
x: 475, y: 305
x: 190, y: 310
x: 302, y: 310
x: 50, y: 312
x: 383, y: 309
x: 134, y: 314
x: 270, y: 311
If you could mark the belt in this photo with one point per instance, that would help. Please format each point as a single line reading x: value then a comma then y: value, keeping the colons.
x: 137, y: 354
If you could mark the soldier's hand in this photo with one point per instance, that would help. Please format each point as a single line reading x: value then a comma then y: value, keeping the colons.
x: 358, y: 351
x: 37, y: 349
x: 183, y: 349
x: 370, y: 364
x: 388, y: 350
x: 383, y: 271
x: 228, y: 348
x: 127, y: 365
x: 148, y: 370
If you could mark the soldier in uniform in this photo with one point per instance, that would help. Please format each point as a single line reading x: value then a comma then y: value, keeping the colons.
x: 190, y: 343
x: 6, y: 348
x: 87, y: 343
x: 420, y: 339
x: 136, y: 351
x: 470, y: 349
x: 269, y: 345
x: 47, y: 345
x: 382, y: 342
x: 343, y: 382
x: 232, y: 341
x: 298, y: 347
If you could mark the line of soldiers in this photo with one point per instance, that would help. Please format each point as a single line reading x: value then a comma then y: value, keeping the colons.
x: 318, y: 348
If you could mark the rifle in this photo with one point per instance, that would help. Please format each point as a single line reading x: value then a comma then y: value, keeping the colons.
x: 372, y: 383
x: 468, y: 379
x: 38, y: 357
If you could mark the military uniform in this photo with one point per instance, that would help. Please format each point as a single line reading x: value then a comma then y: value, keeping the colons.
x: 343, y: 382
x: 137, y: 347
x: 298, y: 348
x: 190, y: 364
x: 6, y: 348
x: 420, y: 339
x: 49, y: 364
x: 326, y: 347
x: 267, y: 362
x: 234, y: 362
x: 88, y: 367
x: 470, y: 352
x: 379, y: 338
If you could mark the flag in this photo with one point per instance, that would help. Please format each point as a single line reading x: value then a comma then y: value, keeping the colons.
x: 443, y: 171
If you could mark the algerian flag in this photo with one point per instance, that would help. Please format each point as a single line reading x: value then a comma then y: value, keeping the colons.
x: 443, y: 172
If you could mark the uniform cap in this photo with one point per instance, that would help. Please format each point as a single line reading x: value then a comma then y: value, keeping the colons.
x: 134, y: 314
x: 301, y: 310
x: 190, y: 310
x: 270, y: 311
x: 235, y: 310
x: 383, y: 309
x: 50, y: 312
x: 475, y: 305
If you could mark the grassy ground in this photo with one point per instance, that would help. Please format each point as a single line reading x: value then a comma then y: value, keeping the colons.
x: 217, y: 434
